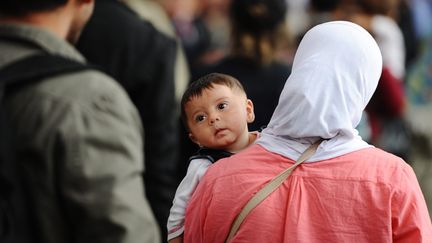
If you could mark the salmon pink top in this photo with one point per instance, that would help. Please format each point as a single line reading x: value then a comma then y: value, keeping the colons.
x: 347, y: 191
x: 364, y: 196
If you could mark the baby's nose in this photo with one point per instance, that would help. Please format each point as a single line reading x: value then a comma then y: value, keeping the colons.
x: 213, y: 119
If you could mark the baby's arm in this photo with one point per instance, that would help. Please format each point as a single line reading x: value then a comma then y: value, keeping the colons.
x: 175, y: 225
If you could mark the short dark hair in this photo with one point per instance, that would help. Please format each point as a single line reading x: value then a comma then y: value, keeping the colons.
x: 324, y: 5
x: 24, y: 7
x: 208, y: 81
x: 257, y: 29
x: 257, y: 16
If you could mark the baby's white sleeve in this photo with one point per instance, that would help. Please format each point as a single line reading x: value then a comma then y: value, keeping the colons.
x: 195, y: 171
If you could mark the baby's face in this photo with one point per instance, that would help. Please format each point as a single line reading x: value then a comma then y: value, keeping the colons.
x: 218, y: 118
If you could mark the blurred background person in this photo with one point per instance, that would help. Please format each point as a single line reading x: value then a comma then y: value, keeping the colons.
x: 215, y: 15
x: 188, y: 21
x: 378, y: 17
x: 155, y: 11
x: 419, y: 96
x: 383, y: 124
x: 142, y: 59
x: 386, y: 110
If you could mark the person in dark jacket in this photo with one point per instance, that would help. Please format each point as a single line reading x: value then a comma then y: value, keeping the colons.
x: 77, y: 136
x: 142, y: 60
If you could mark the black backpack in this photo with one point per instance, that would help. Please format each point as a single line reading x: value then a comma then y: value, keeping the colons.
x: 15, y: 225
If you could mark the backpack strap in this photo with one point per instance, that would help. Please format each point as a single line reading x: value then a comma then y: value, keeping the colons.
x: 36, y: 67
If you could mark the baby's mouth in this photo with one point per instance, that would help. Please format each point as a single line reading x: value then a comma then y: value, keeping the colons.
x: 219, y: 131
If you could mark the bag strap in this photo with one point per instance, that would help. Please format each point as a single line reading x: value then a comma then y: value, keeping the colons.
x: 38, y: 66
x: 269, y: 188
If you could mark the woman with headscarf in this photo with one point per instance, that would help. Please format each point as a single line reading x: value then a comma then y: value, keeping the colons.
x: 348, y: 191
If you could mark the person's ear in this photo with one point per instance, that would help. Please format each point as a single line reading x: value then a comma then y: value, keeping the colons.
x: 192, y: 137
x: 250, y: 111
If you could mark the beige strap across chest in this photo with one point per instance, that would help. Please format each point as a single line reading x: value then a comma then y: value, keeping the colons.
x: 269, y: 188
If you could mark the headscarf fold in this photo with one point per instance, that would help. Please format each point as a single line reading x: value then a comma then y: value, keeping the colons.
x: 335, y: 72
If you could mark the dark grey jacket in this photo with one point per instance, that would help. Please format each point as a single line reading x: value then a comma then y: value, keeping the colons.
x: 79, y: 141
x: 141, y: 59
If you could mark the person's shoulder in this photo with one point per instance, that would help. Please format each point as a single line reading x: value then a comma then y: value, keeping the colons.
x: 378, y: 155
x: 280, y: 69
x: 159, y: 39
x: 373, y: 157
x: 83, y: 88
x: 392, y: 170
x: 383, y: 23
x: 386, y: 166
x: 142, y: 29
x: 151, y: 43
x: 129, y: 27
x: 243, y: 162
x: 281, y: 65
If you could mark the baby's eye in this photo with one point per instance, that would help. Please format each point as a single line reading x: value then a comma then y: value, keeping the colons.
x: 222, y: 106
x: 199, y: 118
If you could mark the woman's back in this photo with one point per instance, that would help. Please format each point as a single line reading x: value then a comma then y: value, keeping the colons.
x: 364, y: 196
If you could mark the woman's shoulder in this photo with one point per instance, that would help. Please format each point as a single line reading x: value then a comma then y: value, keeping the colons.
x: 372, y: 164
x: 377, y: 156
x: 248, y: 161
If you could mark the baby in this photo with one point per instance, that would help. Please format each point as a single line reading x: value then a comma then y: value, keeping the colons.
x: 216, y: 112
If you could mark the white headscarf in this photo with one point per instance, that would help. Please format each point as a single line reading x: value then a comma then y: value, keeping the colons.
x: 335, y: 72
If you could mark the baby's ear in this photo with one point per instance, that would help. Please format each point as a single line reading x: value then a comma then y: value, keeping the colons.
x: 250, y: 111
x: 192, y: 137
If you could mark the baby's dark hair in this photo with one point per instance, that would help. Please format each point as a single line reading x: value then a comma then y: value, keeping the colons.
x: 208, y: 81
